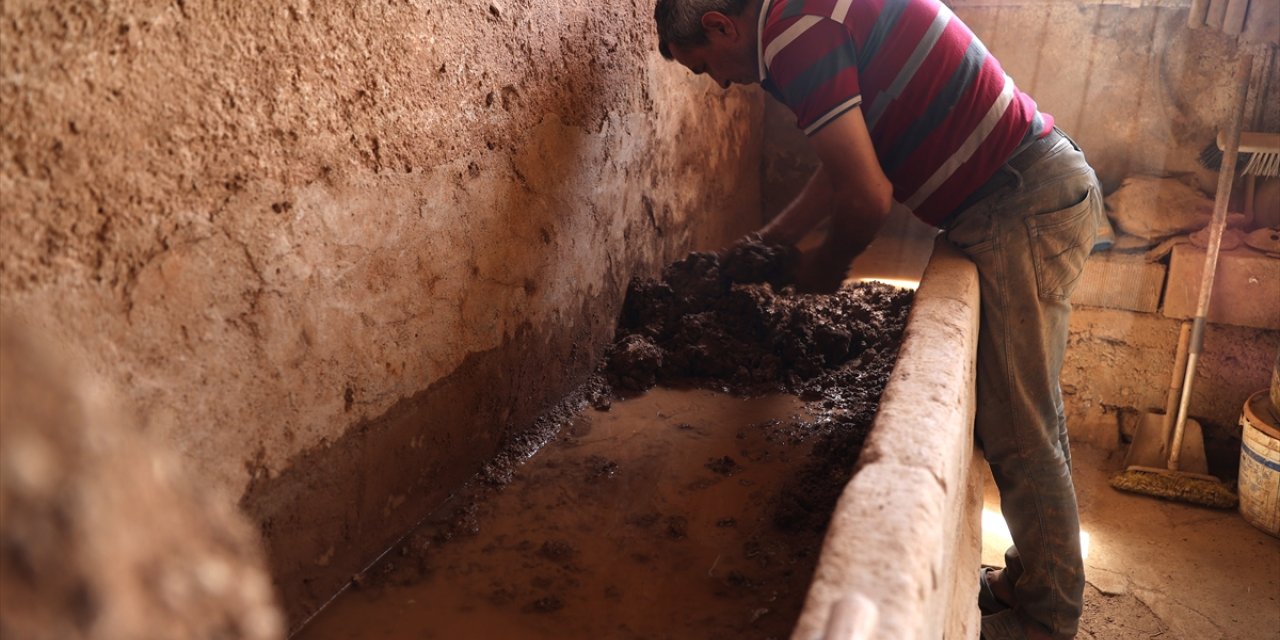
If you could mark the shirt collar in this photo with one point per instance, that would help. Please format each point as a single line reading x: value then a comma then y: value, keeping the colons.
x: 764, y: 13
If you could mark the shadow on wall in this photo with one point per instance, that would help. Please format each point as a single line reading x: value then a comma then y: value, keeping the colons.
x: 531, y: 288
x: 104, y: 533
x: 334, y: 253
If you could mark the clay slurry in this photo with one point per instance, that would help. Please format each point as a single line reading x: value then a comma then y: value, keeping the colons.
x: 680, y: 512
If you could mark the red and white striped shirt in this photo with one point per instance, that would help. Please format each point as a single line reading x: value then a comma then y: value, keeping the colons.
x: 943, y: 115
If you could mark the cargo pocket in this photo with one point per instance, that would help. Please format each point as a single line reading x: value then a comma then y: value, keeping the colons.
x: 1060, y: 243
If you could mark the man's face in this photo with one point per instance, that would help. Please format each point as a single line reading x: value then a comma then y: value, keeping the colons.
x: 728, y: 56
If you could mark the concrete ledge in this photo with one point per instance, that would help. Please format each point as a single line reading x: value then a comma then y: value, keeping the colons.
x: 1246, y: 287
x: 900, y: 558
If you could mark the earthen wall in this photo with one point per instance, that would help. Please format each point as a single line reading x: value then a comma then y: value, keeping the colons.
x: 335, y: 253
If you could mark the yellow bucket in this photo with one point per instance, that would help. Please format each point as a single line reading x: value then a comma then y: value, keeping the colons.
x: 1260, y: 464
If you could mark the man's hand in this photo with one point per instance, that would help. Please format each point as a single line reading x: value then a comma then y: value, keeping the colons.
x: 822, y: 269
x: 738, y: 245
x: 753, y: 260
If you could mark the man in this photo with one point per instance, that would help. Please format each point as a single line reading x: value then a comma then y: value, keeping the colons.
x: 901, y: 102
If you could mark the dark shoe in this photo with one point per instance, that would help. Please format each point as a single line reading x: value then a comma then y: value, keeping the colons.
x: 988, y: 603
x: 1002, y: 626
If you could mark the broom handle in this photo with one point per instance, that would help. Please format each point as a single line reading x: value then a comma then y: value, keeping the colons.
x: 1250, y: 194
x: 1174, y: 396
x: 1219, y: 223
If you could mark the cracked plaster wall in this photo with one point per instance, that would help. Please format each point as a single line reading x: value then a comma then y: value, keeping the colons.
x: 334, y: 253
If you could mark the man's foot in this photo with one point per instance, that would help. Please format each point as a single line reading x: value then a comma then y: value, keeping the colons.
x: 1002, y: 626
x: 994, y: 595
x: 1008, y: 625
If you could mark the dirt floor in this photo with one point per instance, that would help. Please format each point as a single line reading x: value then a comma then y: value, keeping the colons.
x: 693, y: 510
x: 1160, y: 569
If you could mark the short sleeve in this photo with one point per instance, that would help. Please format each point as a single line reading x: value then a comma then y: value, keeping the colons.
x: 813, y: 67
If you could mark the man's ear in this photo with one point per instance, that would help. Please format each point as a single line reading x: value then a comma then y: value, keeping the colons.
x: 717, y: 24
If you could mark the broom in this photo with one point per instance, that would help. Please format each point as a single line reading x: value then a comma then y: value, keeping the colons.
x: 1258, y: 152
x: 1260, y: 156
x: 1172, y: 482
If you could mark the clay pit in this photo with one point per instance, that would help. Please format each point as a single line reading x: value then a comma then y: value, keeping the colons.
x: 430, y: 319
x: 693, y: 509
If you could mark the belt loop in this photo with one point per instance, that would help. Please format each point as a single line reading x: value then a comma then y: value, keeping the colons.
x: 1017, y: 177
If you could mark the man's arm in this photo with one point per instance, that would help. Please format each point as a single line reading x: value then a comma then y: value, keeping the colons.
x: 810, y: 207
x: 851, y: 188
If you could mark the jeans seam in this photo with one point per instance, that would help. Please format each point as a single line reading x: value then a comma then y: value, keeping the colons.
x: 1018, y: 435
x: 1053, y: 581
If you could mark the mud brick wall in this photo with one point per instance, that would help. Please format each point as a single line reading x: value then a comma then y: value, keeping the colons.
x: 334, y: 253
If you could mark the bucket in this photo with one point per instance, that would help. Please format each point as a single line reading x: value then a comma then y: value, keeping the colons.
x: 1275, y: 385
x: 1260, y: 464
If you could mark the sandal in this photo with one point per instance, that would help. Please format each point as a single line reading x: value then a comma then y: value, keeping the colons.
x: 988, y: 603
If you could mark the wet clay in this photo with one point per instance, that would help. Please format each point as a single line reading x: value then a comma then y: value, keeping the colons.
x: 691, y: 510
x: 650, y: 520
x: 735, y: 323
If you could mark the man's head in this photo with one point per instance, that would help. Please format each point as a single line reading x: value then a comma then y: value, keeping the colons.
x: 716, y: 37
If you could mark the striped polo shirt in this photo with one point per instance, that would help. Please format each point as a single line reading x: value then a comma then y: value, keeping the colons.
x: 943, y: 115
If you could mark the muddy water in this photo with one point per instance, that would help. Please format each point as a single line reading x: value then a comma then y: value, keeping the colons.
x: 655, y: 519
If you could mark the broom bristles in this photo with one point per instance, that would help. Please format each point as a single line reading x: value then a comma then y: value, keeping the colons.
x: 1211, y: 157
x: 1172, y: 485
x: 1265, y: 165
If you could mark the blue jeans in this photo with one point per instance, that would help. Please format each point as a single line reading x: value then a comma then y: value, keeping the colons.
x: 1030, y: 240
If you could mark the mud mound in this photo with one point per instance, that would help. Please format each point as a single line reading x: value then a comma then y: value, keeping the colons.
x: 734, y: 323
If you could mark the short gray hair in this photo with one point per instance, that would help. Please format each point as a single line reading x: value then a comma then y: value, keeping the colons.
x: 680, y: 21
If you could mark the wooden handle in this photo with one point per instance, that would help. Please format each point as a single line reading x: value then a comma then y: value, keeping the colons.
x: 1252, y: 142
x: 1216, y: 226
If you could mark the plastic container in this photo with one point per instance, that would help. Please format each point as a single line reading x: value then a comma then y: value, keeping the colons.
x: 1260, y: 464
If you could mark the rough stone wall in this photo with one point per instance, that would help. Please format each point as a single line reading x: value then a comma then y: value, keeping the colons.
x: 1139, y: 91
x: 335, y: 252
x: 1120, y: 361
